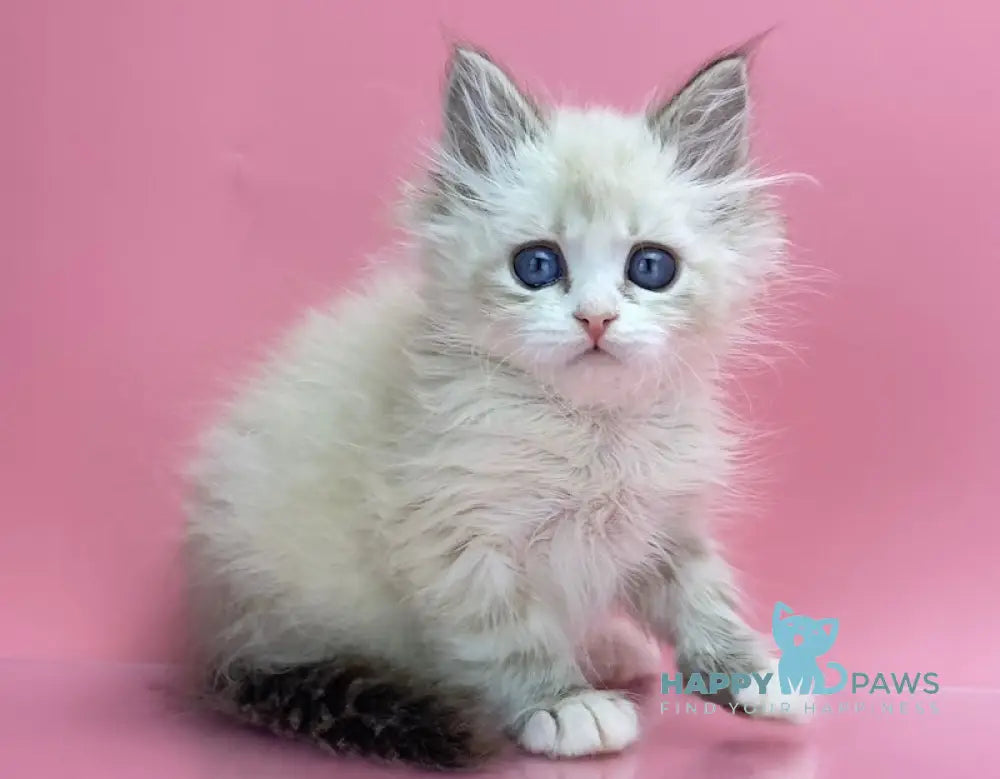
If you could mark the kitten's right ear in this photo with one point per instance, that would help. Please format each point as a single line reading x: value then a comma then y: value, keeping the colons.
x: 708, y: 120
x: 485, y: 113
x: 780, y: 612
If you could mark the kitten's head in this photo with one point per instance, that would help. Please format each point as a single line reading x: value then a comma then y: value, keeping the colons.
x: 799, y: 633
x: 608, y: 255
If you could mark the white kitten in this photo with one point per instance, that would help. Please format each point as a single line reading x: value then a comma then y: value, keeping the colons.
x: 405, y: 527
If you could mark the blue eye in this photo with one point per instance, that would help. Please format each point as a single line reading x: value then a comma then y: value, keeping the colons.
x: 651, y: 267
x: 538, y: 265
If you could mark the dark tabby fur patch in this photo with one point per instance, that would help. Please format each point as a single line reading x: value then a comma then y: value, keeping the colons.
x: 352, y: 707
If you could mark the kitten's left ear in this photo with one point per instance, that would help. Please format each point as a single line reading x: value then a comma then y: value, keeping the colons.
x: 485, y: 113
x: 708, y: 120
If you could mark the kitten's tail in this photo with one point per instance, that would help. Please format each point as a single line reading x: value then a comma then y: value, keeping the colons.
x: 357, y: 707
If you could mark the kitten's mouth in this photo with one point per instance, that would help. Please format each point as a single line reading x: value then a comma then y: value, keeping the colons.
x: 594, y: 355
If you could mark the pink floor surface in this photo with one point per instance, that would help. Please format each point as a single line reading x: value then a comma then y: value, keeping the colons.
x: 89, y: 721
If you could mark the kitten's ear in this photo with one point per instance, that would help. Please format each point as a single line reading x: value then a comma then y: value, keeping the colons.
x: 780, y: 612
x: 708, y: 120
x: 485, y: 114
x: 829, y: 626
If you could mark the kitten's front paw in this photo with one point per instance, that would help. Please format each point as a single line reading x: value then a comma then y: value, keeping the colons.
x: 773, y: 703
x: 589, y: 722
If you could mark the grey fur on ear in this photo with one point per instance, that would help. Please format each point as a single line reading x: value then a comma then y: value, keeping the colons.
x: 708, y: 119
x: 485, y: 113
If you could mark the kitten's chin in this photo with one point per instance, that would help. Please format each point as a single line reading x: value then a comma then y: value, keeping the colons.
x: 598, y: 379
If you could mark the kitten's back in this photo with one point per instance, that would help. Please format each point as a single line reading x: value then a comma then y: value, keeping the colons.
x: 279, y: 521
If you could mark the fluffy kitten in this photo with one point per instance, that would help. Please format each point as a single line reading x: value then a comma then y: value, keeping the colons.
x: 406, y: 526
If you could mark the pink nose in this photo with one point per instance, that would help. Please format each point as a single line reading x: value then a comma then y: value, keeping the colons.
x: 595, y: 324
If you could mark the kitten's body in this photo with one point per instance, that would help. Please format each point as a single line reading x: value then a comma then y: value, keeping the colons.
x: 392, y: 474
x: 434, y: 490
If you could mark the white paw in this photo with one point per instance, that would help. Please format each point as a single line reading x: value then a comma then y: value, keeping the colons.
x: 773, y: 703
x: 617, y: 652
x: 590, y: 722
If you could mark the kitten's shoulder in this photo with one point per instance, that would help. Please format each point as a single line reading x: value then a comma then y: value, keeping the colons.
x: 334, y: 374
x: 356, y: 336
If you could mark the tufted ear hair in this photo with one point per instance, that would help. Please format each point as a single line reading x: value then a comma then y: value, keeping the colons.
x: 708, y: 119
x: 486, y: 115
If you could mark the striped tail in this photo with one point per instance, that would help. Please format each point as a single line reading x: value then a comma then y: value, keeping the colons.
x: 358, y: 707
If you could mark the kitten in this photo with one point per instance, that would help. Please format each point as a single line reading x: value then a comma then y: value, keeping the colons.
x: 406, y: 526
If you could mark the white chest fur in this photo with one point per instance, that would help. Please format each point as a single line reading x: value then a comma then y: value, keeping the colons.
x: 540, y: 503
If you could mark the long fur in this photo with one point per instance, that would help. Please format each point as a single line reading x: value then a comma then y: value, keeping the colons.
x: 429, y: 480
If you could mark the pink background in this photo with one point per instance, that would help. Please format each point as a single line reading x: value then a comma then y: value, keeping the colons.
x: 180, y: 178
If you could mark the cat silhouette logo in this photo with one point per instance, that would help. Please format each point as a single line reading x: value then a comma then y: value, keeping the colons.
x: 802, y: 640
